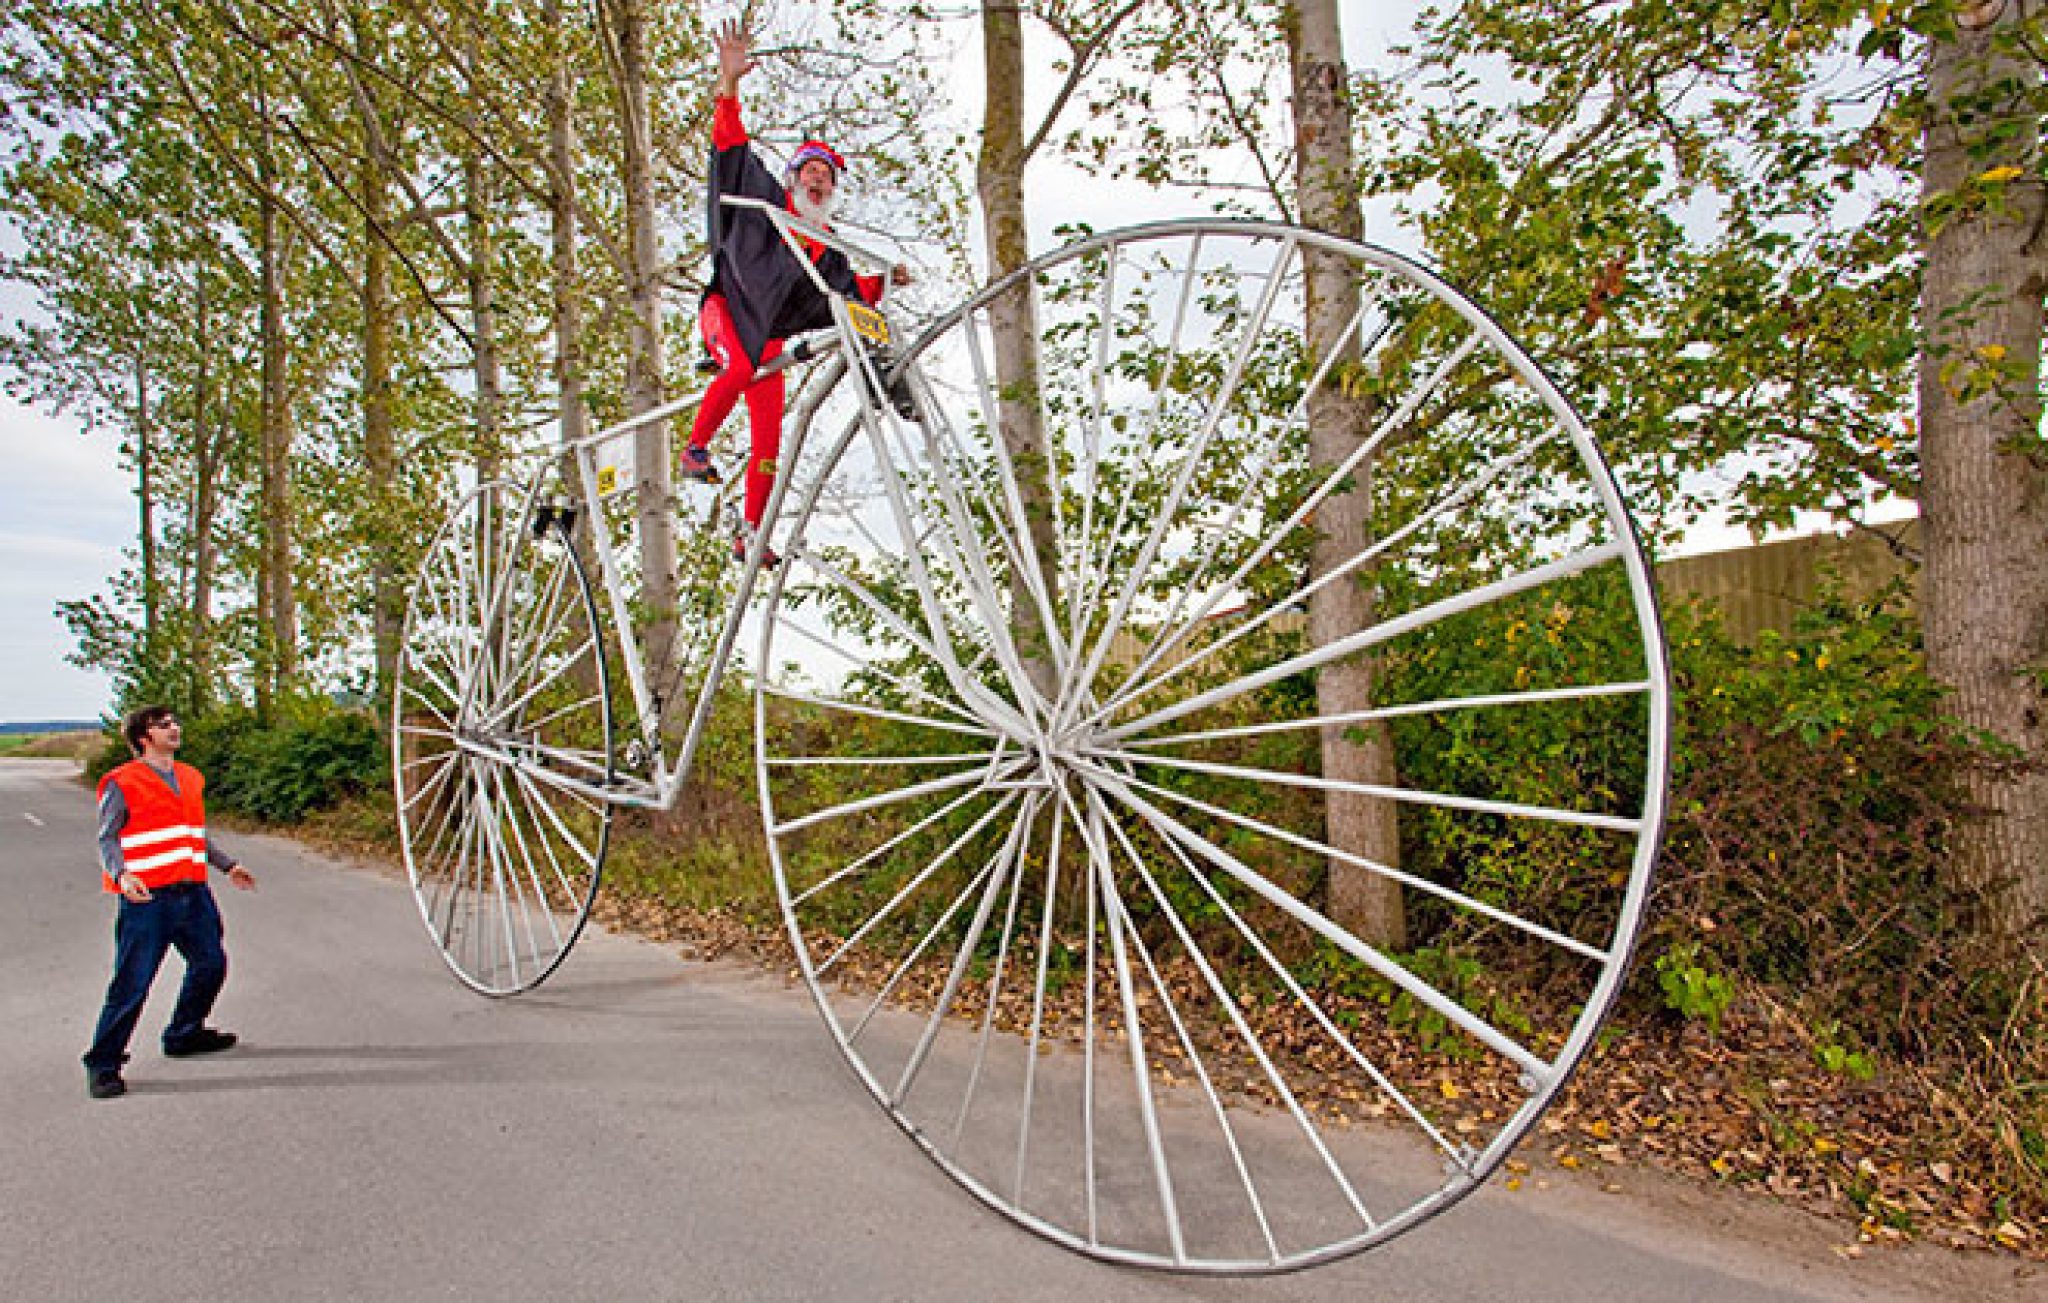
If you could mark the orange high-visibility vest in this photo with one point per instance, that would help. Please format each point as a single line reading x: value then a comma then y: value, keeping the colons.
x: 164, y: 840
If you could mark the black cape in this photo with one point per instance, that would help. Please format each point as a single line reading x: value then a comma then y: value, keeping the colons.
x: 766, y: 289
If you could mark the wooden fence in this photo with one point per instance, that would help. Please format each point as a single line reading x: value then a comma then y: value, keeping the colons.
x: 1765, y: 586
x: 1757, y: 588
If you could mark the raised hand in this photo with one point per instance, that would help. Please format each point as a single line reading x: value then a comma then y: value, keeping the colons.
x: 735, y: 55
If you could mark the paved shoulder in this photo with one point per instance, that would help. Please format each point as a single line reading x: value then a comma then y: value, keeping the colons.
x: 638, y: 1129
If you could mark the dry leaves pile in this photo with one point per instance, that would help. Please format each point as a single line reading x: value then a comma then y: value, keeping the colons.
x: 1750, y: 1108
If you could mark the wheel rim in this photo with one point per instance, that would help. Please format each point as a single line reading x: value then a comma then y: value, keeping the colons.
x: 988, y: 881
x: 502, y: 743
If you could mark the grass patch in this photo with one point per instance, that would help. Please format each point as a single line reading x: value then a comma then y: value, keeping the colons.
x: 49, y: 746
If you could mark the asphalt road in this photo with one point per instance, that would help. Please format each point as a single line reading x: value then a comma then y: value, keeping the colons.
x: 641, y: 1128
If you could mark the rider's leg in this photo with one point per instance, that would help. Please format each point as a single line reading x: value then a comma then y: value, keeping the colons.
x: 765, y: 401
x: 734, y: 375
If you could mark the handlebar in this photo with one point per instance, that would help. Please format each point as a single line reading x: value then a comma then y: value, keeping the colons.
x: 789, y: 225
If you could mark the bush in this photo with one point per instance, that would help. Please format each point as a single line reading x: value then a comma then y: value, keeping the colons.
x: 1816, y: 785
x: 310, y: 756
x: 1815, y: 782
x: 1692, y: 990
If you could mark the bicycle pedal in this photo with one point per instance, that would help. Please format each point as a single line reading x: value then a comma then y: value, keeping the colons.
x: 905, y: 403
x: 553, y: 515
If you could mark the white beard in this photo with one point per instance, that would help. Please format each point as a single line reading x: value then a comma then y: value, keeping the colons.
x: 817, y: 214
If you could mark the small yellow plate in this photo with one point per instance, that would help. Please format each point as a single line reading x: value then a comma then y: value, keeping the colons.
x: 868, y: 323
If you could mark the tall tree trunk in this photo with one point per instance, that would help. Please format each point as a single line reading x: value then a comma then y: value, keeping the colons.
x: 277, y: 662
x: 1984, y: 467
x: 206, y: 447
x: 1013, y: 320
x: 1366, y: 902
x: 567, y: 291
x: 479, y: 204
x: 380, y: 452
x: 145, y: 494
x: 646, y: 365
x: 483, y: 316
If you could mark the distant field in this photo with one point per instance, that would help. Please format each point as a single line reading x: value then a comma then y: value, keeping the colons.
x: 71, y: 745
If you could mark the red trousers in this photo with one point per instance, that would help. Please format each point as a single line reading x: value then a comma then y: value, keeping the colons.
x: 764, y: 402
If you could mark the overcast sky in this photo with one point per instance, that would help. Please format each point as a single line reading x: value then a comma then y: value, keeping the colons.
x: 66, y: 511
x: 67, y: 508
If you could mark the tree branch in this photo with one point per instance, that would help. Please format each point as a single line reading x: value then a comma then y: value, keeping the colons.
x: 1086, y: 54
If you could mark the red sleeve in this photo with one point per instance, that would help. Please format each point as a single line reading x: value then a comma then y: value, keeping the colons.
x: 871, y: 287
x: 727, y: 131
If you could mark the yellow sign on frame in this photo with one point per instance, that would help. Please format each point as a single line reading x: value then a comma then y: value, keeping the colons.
x: 868, y: 323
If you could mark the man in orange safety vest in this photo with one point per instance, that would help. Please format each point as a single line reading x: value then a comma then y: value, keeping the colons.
x: 154, y: 853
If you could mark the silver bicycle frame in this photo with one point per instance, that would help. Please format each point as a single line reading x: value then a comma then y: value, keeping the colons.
x: 593, y: 488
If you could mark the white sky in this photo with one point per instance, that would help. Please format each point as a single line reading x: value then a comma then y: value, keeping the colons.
x: 66, y: 511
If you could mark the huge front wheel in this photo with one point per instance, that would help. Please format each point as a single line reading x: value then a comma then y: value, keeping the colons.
x: 502, y: 741
x: 1214, y: 756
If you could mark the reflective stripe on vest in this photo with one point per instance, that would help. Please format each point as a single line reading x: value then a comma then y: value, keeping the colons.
x: 164, y: 840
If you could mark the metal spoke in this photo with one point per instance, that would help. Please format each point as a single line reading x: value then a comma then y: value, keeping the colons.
x: 1328, y: 852
x: 863, y: 805
x: 1440, y: 705
x: 904, y: 686
x: 1342, y: 472
x: 873, y: 712
x: 1228, y: 1003
x: 1476, y: 1027
x: 1015, y: 546
x: 910, y: 888
x: 1174, y: 630
x: 863, y: 762
x: 840, y: 875
x: 1385, y: 631
x: 1115, y: 923
x: 1298, y: 600
x: 939, y: 648
x: 1045, y: 944
x: 995, y: 981
x: 533, y: 800
x: 1324, y: 1023
x: 1021, y: 544
x: 1002, y: 867
x: 1180, y: 1030
x: 1512, y: 809
x: 1226, y: 389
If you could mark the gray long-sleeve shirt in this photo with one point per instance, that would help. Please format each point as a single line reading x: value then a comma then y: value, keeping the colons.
x: 114, y: 817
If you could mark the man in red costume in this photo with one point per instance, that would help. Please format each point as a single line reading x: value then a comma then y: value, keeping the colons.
x: 759, y: 294
x: 154, y: 853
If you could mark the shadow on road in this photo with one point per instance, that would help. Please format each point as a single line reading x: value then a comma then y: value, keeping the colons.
x: 324, y: 1067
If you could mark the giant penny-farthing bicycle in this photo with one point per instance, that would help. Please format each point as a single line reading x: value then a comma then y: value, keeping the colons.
x: 1084, y: 704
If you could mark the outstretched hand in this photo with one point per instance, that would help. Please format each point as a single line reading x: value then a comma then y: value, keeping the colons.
x: 735, y: 55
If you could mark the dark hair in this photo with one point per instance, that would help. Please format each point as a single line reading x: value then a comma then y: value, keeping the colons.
x: 140, y: 722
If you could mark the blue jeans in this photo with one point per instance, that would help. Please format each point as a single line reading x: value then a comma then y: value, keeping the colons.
x: 181, y: 916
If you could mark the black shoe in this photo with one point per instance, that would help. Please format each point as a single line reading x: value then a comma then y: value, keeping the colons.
x: 695, y: 464
x: 905, y: 402
x: 105, y: 1084
x: 206, y: 1040
x: 743, y: 540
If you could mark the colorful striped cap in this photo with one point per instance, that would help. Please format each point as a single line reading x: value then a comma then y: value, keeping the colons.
x: 816, y: 149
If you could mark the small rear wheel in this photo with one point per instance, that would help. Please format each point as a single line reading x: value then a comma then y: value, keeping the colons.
x: 502, y: 742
